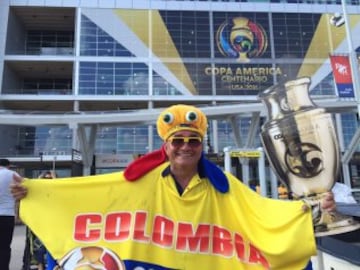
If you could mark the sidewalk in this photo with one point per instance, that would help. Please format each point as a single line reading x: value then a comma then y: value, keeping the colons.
x: 17, y: 246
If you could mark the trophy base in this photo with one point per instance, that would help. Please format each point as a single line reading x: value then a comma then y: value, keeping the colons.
x: 329, y: 223
x: 332, y: 223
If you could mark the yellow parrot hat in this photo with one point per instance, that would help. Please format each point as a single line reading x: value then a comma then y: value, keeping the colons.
x: 181, y: 117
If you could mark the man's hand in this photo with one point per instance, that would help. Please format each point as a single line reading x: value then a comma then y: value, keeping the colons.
x: 328, y: 203
x: 17, y: 189
x: 326, y: 220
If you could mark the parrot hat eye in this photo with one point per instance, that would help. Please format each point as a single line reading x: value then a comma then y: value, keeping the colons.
x: 191, y: 116
x: 168, y: 118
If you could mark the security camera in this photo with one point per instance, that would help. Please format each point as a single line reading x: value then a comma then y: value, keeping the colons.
x: 337, y: 20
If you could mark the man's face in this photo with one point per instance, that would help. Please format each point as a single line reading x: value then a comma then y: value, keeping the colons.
x: 184, y: 148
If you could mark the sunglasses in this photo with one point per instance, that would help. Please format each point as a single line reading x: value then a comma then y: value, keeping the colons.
x: 180, y: 141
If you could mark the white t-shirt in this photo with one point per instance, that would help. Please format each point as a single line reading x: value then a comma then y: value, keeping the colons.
x: 342, y: 193
x: 7, y: 202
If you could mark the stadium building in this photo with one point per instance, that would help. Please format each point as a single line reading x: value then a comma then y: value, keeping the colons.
x: 82, y: 81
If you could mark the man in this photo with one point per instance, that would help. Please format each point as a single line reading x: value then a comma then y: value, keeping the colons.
x: 173, y: 209
x: 283, y: 192
x: 7, y: 213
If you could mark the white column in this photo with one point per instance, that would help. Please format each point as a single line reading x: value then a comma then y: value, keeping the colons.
x: 274, y: 184
x: 344, y: 165
x: 352, y: 55
x: 261, y: 170
x: 227, y: 160
x: 245, y: 170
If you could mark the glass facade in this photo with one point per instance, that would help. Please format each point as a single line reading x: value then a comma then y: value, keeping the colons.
x: 124, y: 59
x: 96, y: 42
x: 106, y: 78
x: 49, y: 42
x: 202, y: 53
x: 188, y: 31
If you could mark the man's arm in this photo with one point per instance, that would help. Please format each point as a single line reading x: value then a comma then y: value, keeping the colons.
x: 17, y: 189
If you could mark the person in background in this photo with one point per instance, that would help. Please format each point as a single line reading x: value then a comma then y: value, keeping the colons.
x: 342, y: 193
x: 283, y: 192
x: 7, y: 212
x: 254, y: 185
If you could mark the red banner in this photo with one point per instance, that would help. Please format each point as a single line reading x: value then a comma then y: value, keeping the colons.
x: 342, y: 73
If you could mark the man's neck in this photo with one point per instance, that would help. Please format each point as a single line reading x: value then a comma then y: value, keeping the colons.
x: 182, y: 176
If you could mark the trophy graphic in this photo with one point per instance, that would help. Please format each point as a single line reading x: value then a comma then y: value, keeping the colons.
x: 300, y: 142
